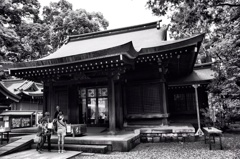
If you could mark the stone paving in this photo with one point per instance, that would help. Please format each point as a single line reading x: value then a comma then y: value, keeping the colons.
x: 176, y: 150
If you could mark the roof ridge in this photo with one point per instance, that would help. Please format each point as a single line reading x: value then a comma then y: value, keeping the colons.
x: 12, y: 80
x: 111, y: 32
x: 204, y: 65
x: 25, y: 82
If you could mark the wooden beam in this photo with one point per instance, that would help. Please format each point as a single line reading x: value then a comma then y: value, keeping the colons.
x: 93, y: 80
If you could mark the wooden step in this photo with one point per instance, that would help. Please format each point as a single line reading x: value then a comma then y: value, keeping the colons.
x: 84, y: 148
x: 19, y: 145
x: 18, y: 134
x: 33, y: 154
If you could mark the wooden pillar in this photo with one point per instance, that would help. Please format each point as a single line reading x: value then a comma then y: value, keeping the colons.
x: 199, y: 131
x: 51, y: 99
x: 124, y: 100
x: 31, y: 119
x: 112, y: 109
x: 119, y: 105
x: 164, y: 102
x: 45, y: 97
x: 162, y: 70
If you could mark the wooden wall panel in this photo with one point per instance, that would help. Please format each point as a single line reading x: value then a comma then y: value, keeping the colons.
x: 73, y: 105
x: 182, y: 100
x: 61, y: 99
x: 134, y: 99
x: 151, y: 99
x: 145, y: 98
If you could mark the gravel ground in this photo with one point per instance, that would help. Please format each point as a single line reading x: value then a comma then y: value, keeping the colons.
x: 172, y: 150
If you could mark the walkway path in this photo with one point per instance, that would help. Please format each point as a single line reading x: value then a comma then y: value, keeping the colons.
x: 33, y: 154
x: 18, y: 144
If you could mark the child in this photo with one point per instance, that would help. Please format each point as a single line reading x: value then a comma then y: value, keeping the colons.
x: 61, y: 132
x: 42, y: 129
x: 47, y: 136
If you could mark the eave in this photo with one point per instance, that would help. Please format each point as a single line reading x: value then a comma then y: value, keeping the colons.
x: 106, y: 51
x: 9, y: 94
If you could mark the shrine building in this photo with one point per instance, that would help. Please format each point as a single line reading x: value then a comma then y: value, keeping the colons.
x: 123, y: 78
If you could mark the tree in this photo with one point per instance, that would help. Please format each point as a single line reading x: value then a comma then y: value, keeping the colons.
x: 220, y: 20
x: 12, y: 13
x: 35, y: 40
x: 65, y: 21
x: 25, y: 36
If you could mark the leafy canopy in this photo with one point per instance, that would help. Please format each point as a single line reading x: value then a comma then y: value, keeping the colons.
x: 220, y: 20
x: 26, y: 35
x: 65, y: 21
x: 12, y: 13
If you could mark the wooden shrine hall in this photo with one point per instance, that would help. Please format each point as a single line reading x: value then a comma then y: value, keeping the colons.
x: 121, y: 77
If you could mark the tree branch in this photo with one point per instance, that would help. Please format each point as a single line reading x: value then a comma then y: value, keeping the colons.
x: 219, y: 57
x: 228, y: 4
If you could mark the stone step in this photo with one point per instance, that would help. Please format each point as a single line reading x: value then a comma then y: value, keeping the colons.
x: 28, y: 130
x: 84, y: 148
x: 144, y: 122
x: 164, y: 135
x: 74, y: 141
x: 134, y: 127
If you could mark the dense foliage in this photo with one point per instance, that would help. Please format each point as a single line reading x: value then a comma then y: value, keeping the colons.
x: 12, y: 13
x: 220, y: 20
x: 27, y: 35
x: 65, y: 21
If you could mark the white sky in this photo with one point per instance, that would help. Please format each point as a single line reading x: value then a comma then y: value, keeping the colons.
x: 119, y: 13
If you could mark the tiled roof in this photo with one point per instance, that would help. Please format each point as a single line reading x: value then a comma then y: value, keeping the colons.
x: 8, y: 93
x: 122, y: 47
x: 17, y: 86
x: 131, y: 44
x: 197, y: 76
x: 12, y: 112
x: 26, y: 85
x: 12, y: 83
x: 140, y: 39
